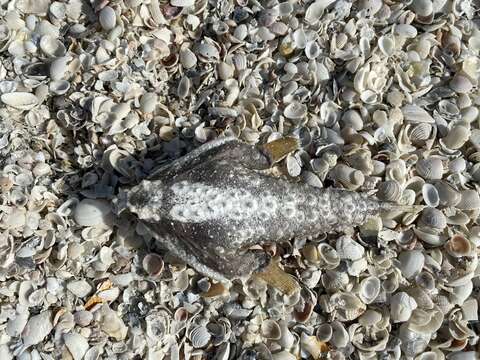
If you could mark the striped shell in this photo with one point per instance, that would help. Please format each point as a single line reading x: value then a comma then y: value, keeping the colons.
x: 431, y: 168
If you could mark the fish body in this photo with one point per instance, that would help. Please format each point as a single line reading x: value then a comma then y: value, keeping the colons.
x: 210, y: 207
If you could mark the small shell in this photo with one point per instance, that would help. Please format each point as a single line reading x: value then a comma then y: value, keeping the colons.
x: 411, y: 262
x: 456, y: 137
x: 389, y: 190
x: 58, y: 68
x: 430, y: 195
x: 153, y: 264
x: 37, y: 328
x: 349, y: 177
x: 386, y: 44
x: 20, y: 100
x: 271, y: 330
x: 422, y: 8
x: 80, y: 288
x: 461, y: 84
x: 183, y: 88
x: 188, y: 58
x: 148, y: 102
x: 92, y: 212
x: 324, y: 332
x: 312, y: 50
x: 369, y: 289
x: 340, y: 337
x: 76, y: 344
x: 349, y: 249
x: 469, y: 200
x: 51, y: 46
x: 415, y: 114
x: 448, y: 195
x: 107, y: 18
x: 182, y: 3
x: 353, y: 119
x: 430, y: 168
x: 459, y: 245
x: 434, y: 218
x: 420, y: 132
x: 199, y: 336
x: 295, y: 111
x: 287, y: 339
x: 401, y: 307
x: 59, y: 87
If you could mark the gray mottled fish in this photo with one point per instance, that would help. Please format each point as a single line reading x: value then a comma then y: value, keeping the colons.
x: 209, y: 207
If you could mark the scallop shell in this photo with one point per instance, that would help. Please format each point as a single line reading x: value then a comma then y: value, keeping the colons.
x: 401, y: 307
x: 369, y: 289
x: 199, y: 336
x: 434, y: 218
x: 431, y: 168
x: 20, y: 100
x: 421, y: 132
x: 92, y: 212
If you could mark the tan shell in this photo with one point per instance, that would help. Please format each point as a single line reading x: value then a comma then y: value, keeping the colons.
x: 459, y: 245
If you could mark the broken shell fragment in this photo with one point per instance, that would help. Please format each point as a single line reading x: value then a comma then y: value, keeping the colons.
x: 92, y: 212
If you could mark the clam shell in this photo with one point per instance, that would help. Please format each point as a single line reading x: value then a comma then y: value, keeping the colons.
x: 324, y: 332
x: 456, y: 137
x: 188, y: 59
x: 411, y: 262
x: 349, y: 249
x: 52, y: 47
x: 349, y: 177
x: 425, y: 321
x: 401, y: 307
x: 353, y: 119
x: 469, y: 200
x: 369, y: 289
x: 420, y: 132
x: 449, y: 196
x: 148, y: 102
x: 434, y: 218
x: 80, y: 288
x: 107, y: 18
x: 295, y: 111
x: 340, y: 337
x: 430, y: 168
x: 76, y: 344
x: 153, y: 264
x: 415, y: 114
x: 37, y: 328
x: 92, y: 212
x: 20, y: 100
x: 461, y: 84
x: 430, y: 195
x: 459, y: 245
x: 58, y: 68
x: 59, y: 87
x: 270, y: 329
x: 386, y: 44
x: 389, y: 190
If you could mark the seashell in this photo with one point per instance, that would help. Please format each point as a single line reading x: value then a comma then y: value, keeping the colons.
x: 349, y: 177
x: 293, y: 166
x: 389, y: 190
x: 386, y: 44
x: 369, y: 289
x: 188, y: 59
x: 316, y: 10
x: 425, y: 321
x: 20, y: 100
x: 405, y: 30
x: 470, y: 310
x: 324, y: 332
x: 425, y: 280
x: 111, y: 323
x: 459, y: 245
x: 295, y: 111
x: 80, y: 288
x: 283, y: 355
x: 460, y: 84
x: 225, y: 71
x: 312, y: 50
x: 52, y: 47
x: 411, y: 263
x: 148, y: 102
x: 334, y: 280
x: 37, y: 329
x: 371, y: 7
x: 456, y: 137
x: 59, y: 87
x: 415, y: 114
x: 349, y: 249
x: 469, y: 200
x: 370, y: 318
x: 182, y: 3
x: 457, y: 165
x: 430, y: 195
x: 58, y: 68
x: 270, y: 330
x: 287, y: 339
x: 348, y: 306
x: 207, y: 51
x: 76, y: 344
x: 311, y: 345
x: 430, y: 168
x: 448, y: 195
x: 462, y: 355
x: 83, y: 317
x: 107, y: 18
x: 183, y: 88
x: 422, y: 8
x: 92, y: 212
x: 421, y: 297
x: 340, y: 337
x: 412, y: 343
x: 461, y: 293
x: 199, y: 336
x: 153, y: 264
x: 16, y: 324
x: 401, y: 307
x: 352, y: 118
x: 421, y: 132
x: 434, y: 218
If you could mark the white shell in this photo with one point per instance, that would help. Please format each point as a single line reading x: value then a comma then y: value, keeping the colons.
x: 295, y: 111
x: 434, y: 218
x: 324, y: 332
x: 20, y: 100
x: 188, y: 58
x: 58, y: 68
x: 456, y: 137
x: 389, y: 190
x: 182, y: 3
x: 92, y: 212
x: 349, y: 249
x: 469, y: 200
x: 76, y: 344
x: 80, y: 288
x: 411, y: 262
x: 369, y: 289
x: 386, y: 44
x: 430, y: 195
x: 199, y: 336
x: 415, y: 114
x: 37, y: 328
x: 430, y: 168
x: 51, y: 46
x: 422, y: 8
x: 401, y: 307
x: 107, y: 18
x: 461, y: 84
x: 270, y: 329
x: 153, y: 264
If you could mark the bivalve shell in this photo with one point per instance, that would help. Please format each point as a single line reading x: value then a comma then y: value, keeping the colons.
x: 199, y: 336
x: 20, y: 100
x: 389, y: 190
x: 401, y: 307
x: 107, y: 18
x: 153, y: 264
x: 430, y: 195
x: 92, y: 212
x: 411, y: 262
x: 369, y: 289
x: 430, y: 168
x: 271, y: 330
x: 434, y: 218
x: 459, y: 245
x: 469, y: 200
x: 295, y: 111
x: 456, y: 137
x: 461, y: 84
